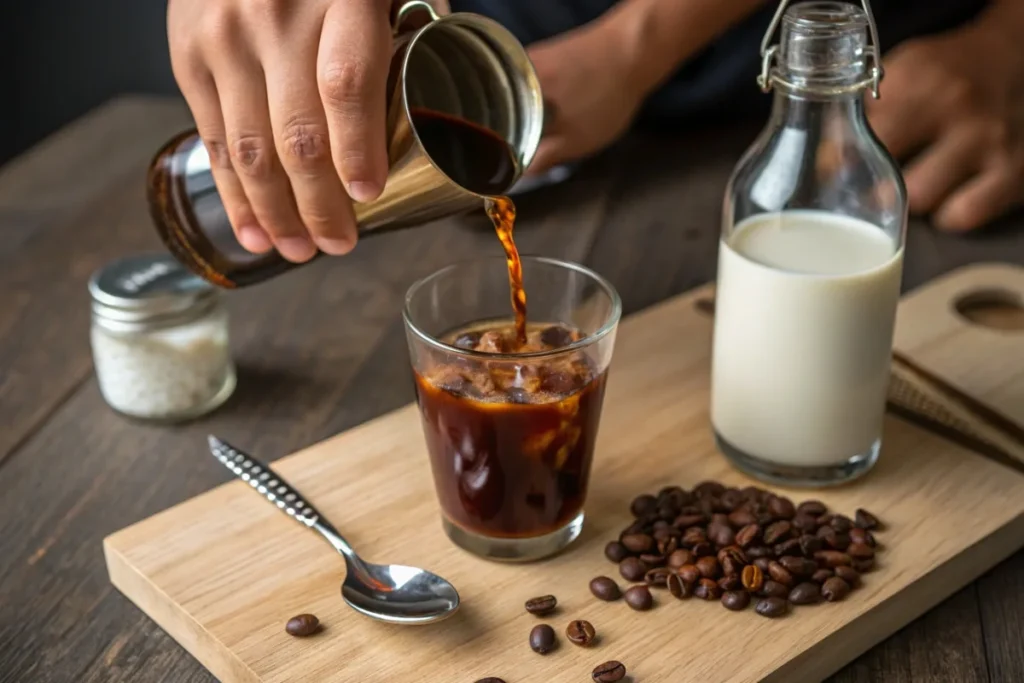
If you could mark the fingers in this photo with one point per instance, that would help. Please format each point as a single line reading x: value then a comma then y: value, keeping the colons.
x: 941, y: 168
x: 352, y: 65
x: 552, y: 151
x: 250, y: 142
x: 303, y: 146
x: 980, y: 200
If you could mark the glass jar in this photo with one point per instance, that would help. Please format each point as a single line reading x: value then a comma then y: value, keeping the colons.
x: 810, y: 262
x: 159, y: 340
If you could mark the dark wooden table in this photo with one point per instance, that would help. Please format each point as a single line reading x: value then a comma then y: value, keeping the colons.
x: 321, y: 350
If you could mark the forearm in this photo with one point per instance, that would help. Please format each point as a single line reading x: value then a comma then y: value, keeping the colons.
x: 656, y: 36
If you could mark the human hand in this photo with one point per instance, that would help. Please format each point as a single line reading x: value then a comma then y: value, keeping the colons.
x: 590, y: 97
x: 954, y: 105
x: 289, y: 100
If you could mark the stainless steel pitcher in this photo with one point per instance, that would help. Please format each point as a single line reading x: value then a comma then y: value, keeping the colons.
x: 462, y: 64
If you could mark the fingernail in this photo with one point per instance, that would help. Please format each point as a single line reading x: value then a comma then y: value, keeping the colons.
x: 254, y: 239
x: 334, y: 247
x: 362, y: 191
x: 296, y: 249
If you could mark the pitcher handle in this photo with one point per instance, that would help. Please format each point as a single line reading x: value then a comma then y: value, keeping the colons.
x: 408, y: 8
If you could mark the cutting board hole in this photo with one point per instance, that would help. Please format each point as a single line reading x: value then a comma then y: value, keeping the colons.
x: 997, y: 309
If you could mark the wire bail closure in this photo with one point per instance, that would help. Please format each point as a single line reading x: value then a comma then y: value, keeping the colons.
x: 769, y: 74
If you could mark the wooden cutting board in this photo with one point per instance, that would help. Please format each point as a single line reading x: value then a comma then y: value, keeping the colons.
x: 223, y: 572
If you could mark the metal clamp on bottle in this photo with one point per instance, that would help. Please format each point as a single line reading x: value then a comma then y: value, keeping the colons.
x: 769, y: 54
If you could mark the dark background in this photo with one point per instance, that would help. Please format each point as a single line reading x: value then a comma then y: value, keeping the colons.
x: 61, y: 58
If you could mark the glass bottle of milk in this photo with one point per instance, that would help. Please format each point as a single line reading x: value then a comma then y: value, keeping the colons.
x: 810, y: 262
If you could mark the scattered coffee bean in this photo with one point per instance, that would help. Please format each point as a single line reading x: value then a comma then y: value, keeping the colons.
x: 841, y: 523
x: 639, y: 598
x: 609, y: 672
x: 825, y: 519
x: 848, y: 574
x: 694, y: 535
x: 490, y: 679
x: 678, y: 588
x: 805, y: 594
x: 632, y: 569
x: 865, y: 520
x: 541, y: 606
x: 638, y: 543
x: 756, y: 551
x: 780, y: 574
x: 858, y: 535
x: 860, y: 551
x: 752, y: 578
x: 774, y: 589
x: 735, y: 600
x: 748, y: 535
x: 822, y: 575
x: 616, y: 552
x: 657, y: 577
x: 542, y: 639
x: 721, y: 534
x: 741, y: 518
x: 580, y: 632
x: 730, y: 582
x: 863, y: 566
x: 605, y: 589
x: 812, y: 508
x: 707, y: 589
x: 832, y: 559
x: 777, y: 531
x: 652, y: 559
x: 799, y: 566
x: 679, y: 558
x: 771, y: 607
x: 708, y: 567
x: 805, y: 523
x: 688, y: 520
x: 667, y: 546
x: 835, y: 589
x: 810, y: 544
x: 781, y: 508
x: 302, y: 625
x: 788, y: 547
x: 689, y: 573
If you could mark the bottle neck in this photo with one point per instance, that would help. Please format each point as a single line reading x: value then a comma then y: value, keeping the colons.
x: 821, y: 114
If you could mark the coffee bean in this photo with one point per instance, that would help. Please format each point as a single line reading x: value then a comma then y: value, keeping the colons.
x: 780, y: 574
x: 718, y: 519
x: 693, y: 536
x: 703, y: 550
x: 735, y: 600
x: 721, y: 535
x: 609, y: 672
x: 835, y: 589
x: 685, y: 521
x: 754, y: 493
x: 639, y: 598
x: 814, y: 508
x: 777, y: 531
x: 643, y: 505
x: 790, y: 547
x: 615, y: 551
x: 634, y: 528
x: 799, y: 566
x: 731, y: 499
x: 771, y: 607
x: 667, y: 546
x: 542, y: 639
x: 863, y: 566
x: 657, y: 577
x: 490, y: 679
x: 810, y: 544
x: 805, y: 594
x: 730, y: 566
x: 865, y: 520
x: 632, y: 569
x: 748, y: 535
x: 580, y: 632
x: 605, y: 589
x: 762, y: 563
x: 756, y: 551
x: 848, y: 574
x: 638, y: 543
x: 860, y: 551
x: 741, y: 518
x: 822, y: 575
x: 805, y: 523
x: 689, y: 573
x: 833, y: 539
x: 541, y: 606
x: 774, y: 589
x: 707, y: 589
x: 841, y: 523
x: 708, y: 567
x: 679, y: 558
x: 663, y: 531
x: 863, y: 536
x: 674, y: 494
x: 730, y: 583
x: 825, y: 519
x: 832, y: 559
x: 677, y: 587
x: 302, y: 625
x: 781, y: 508
x: 708, y: 489
x: 652, y: 559
x: 752, y: 578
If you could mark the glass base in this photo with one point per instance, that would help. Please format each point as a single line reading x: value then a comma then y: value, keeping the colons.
x: 800, y: 475
x: 514, y: 549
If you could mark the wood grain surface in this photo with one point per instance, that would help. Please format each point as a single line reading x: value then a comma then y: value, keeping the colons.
x: 224, y: 571
x: 320, y: 350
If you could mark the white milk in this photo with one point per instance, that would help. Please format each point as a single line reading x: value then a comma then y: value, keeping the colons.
x: 804, y: 320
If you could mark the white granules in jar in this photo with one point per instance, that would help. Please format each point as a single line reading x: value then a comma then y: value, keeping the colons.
x: 159, y: 340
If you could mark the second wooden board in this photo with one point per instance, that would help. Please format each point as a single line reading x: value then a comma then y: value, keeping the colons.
x: 222, y: 573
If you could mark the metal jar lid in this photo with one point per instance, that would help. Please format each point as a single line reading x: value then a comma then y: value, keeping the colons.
x: 148, y: 291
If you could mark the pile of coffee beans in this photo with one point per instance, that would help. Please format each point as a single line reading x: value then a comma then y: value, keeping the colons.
x: 738, y: 546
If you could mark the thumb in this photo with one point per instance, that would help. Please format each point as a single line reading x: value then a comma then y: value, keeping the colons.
x: 551, y: 152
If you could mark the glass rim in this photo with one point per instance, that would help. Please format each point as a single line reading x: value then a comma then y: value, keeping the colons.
x: 606, y: 328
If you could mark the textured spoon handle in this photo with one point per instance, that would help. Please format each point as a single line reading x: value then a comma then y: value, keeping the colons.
x: 265, y: 481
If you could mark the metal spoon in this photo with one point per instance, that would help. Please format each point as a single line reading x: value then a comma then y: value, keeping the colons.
x: 388, y: 592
